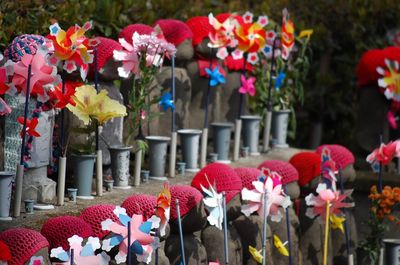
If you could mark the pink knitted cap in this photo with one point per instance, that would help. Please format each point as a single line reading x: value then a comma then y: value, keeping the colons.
x: 224, y: 177
x: 175, y: 31
x: 57, y: 230
x: 143, y: 204
x: 188, y: 198
x: 200, y: 28
x: 248, y: 175
x: 96, y: 214
x: 339, y: 154
x: 128, y: 31
x: 105, y: 50
x: 23, y: 244
x: 286, y: 170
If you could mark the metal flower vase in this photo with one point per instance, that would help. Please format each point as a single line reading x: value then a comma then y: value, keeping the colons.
x: 251, y: 133
x: 157, y: 156
x: 5, y: 194
x: 222, y: 140
x: 83, y: 174
x: 280, y: 121
x: 190, y: 140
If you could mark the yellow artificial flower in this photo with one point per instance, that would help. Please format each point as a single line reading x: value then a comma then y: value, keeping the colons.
x: 256, y: 254
x: 91, y: 105
x: 337, y: 222
x: 280, y: 246
x: 306, y: 33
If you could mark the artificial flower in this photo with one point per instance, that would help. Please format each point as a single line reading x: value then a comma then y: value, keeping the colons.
x: 5, y: 253
x: 247, y: 85
x: 385, y: 153
x: 63, y: 99
x: 30, y: 126
x: 221, y: 35
x: 42, y: 75
x: 390, y: 80
x: 256, y: 254
x: 213, y: 202
x: 287, y: 39
x: 163, y: 207
x: 4, y: 108
x: 337, y: 222
x: 281, y: 246
x: 166, y: 101
x: 129, y: 58
x: 71, y: 46
x: 215, y: 76
x: 275, y: 199
x: 279, y: 80
x: 306, y: 33
x: 317, y: 204
x: 91, y: 105
x: 392, y: 120
x: 82, y: 254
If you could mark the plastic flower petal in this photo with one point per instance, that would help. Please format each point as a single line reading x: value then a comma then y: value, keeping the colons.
x: 385, y: 153
x: 216, y: 77
x: 256, y: 254
x: 163, y: 207
x: 337, y: 222
x: 306, y: 33
x: 221, y: 34
x: 248, y: 17
x: 392, y: 120
x: 213, y: 202
x: 166, y: 101
x: 287, y: 39
x: 279, y: 80
x: 61, y: 99
x: 30, y: 126
x: 280, y: 246
x: 247, y: 85
x: 129, y: 59
x: 251, y: 37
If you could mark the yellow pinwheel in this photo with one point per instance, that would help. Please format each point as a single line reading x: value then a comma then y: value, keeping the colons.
x: 281, y: 246
x: 337, y: 222
x: 306, y: 33
x: 256, y: 254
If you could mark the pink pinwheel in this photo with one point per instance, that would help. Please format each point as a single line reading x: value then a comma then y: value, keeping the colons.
x: 129, y: 58
x: 247, y: 85
x: 42, y: 74
x: 275, y: 199
x: 222, y: 35
x: 267, y: 173
x: 317, y: 204
x: 385, y: 153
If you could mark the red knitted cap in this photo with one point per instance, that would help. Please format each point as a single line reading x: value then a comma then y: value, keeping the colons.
x: 96, y: 214
x: 5, y: 252
x: 339, y: 154
x: 57, y: 230
x: 224, y: 177
x: 308, y: 165
x: 200, y: 28
x: 105, y: 50
x: 248, y: 175
x: 284, y: 169
x: 188, y: 198
x: 175, y: 31
x: 140, y: 204
x: 128, y: 31
x: 23, y: 244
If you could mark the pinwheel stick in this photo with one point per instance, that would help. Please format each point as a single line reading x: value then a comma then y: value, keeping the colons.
x: 241, y: 95
x: 178, y: 212
x: 264, y: 232
x: 346, y: 224
x: 325, y: 258
x: 156, y: 251
x: 71, y: 260
x: 62, y: 160
x: 99, y: 154
x: 288, y: 232
x: 226, y: 249
x: 129, y: 256
x: 172, y: 154
x: 20, y: 167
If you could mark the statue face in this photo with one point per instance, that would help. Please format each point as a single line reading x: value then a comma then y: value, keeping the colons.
x: 109, y: 71
x: 41, y: 256
x: 349, y: 174
x: 184, y: 51
x: 233, y: 208
x: 203, y: 49
x: 293, y: 190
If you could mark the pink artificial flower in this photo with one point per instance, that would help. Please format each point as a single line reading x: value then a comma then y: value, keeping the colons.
x: 318, y: 203
x: 129, y: 58
x: 385, y: 153
x: 247, y: 85
x: 392, y: 120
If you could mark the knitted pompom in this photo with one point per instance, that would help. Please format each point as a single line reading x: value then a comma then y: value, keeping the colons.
x: 339, y: 154
x: 308, y: 165
x: 175, y: 31
x: 105, y: 48
x: 224, y: 177
x: 94, y: 215
x: 188, y: 198
x: 57, y: 230
x: 200, y: 28
x: 23, y: 244
x: 248, y: 175
x: 284, y: 169
x: 143, y: 204
x: 23, y: 44
x: 128, y: 31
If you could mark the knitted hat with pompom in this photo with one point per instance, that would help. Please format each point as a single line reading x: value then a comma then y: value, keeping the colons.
x: 188, y: 198
x: 143, y: 204
x: 248, y: 175
x: 175, y: 31
x: 94, y: 215
x: 284, y: 169
x: 128, y: 31
x: 200, y: 28
x: 339, y: 154
x: 105, y: 48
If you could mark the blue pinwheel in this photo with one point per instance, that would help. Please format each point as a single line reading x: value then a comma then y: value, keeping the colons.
x: 216, y: 77
x: 279, y: 80
x: 166, y: 101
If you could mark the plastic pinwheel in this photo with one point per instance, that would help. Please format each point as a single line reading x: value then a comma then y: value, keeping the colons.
x: 222, y: 35
x: 256, y: 254
x: 30, y: 126
x: 281, y: 247
x: 71, y: 46
x: 287, y: 39
x: 213, y: 202
x: 267, y: 173
x: 384, y: 154
x: 142, y: 242
x: 163, y: 207
x: 216, y: 77
x: 247, y: 85
x: 337, y: 222
x: 279, y: 80
x: 60, y: 99
x: 166, y: 101
x: 390, y: 80
x: 251, y: 37
x: 275, y: 199
x: 328, y: 168
x: 83, y: 255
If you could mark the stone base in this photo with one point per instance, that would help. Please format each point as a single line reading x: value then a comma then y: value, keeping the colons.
x: 43, y: 207
x: 192, y: 170
x: 85, y: 197
x: 280, y: 146
x: 224, y: 161
x: 158, y: 178
x: 37, y: 186
x: 255, y: 154
x: 6, y: 219
x: 122, y: 187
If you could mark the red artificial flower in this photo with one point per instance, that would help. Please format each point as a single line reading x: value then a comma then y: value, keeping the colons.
x: 385, y: 153
x: 30, y: 126
x: 63, y: 99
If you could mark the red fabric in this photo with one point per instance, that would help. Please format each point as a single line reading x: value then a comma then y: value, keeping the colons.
x: 57, y: 230
x: 105, y: 50
x: 128, y: 31
x: 23, y: 244
x: 203, y: 64
x: 224, y: 177
x: 188, y: 198
x: 200, y: 28
x: 248, y: 175
x: 96, y: 214
x: 339, y: 154
x: 284, y: 169
x: 236, y: 65
x: 143, y: 204
x: 308, y: 165
x: 175, y: 31
x: 5, y: 253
